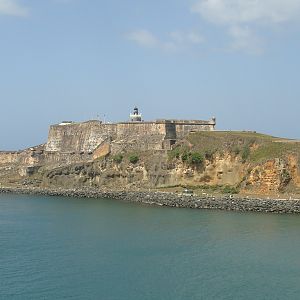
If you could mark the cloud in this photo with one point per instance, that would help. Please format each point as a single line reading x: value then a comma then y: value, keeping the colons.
x: 63, y: 1
x: 244, y: 39
x: 243, y: 19
x: 190, y: 37
x: 143, y: 38
x: 248, y: 11
x: 13, y: 8
x: 174, y: 41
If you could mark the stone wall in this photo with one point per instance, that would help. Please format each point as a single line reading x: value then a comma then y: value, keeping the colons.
x: 79, y: 137
x: 184, y: 127
x: 87, y: 137
x: 70, y: 143
x: 139, y: 136
x: 8, y: 157
x: 84, y: 142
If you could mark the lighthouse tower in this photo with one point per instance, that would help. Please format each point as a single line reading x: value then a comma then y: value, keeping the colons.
x: 136, y: 116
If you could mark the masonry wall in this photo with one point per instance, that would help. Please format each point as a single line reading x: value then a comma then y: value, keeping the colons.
x: 81, y: 139
x: 87, y: 137
x: 8, y: 158
x: 139, y: 136
x: 184, y: 129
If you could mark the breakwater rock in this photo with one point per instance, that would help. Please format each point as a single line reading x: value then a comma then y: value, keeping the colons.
x: 172, y: 199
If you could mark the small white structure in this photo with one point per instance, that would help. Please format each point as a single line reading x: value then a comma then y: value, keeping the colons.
x: 64, y: 123
x: 136, y: 116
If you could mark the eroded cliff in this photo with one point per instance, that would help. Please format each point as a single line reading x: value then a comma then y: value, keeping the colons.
x: 216, y: 161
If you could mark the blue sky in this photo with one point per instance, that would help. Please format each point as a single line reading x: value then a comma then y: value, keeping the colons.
x: 237, y: 60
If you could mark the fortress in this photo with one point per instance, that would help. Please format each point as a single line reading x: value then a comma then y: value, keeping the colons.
x: 98, y: 154
x: 87, y: 137
x: 70, y: 142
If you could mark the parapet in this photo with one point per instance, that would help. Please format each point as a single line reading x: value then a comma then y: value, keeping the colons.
x: 187, y: 122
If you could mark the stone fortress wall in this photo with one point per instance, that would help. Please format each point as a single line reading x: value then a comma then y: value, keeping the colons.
x: 88, y: 136
x: 7, y: 157
x: 70, y: 142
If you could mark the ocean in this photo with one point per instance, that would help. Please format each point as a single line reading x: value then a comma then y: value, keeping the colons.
x: 70, y: 248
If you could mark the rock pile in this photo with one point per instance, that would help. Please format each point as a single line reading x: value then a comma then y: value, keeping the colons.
x: 171, y: 199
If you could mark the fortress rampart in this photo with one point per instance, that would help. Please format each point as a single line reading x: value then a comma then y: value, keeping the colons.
x: 70, y: 142
x: 86, y: 137
x: 7, y: 157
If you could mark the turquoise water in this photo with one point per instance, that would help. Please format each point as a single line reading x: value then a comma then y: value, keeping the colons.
x: 65, y: 248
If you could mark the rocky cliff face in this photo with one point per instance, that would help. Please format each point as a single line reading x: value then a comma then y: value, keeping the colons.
x: 247, y: 163
x: 158, y: 171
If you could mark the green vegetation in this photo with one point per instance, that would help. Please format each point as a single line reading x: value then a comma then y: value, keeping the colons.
x: 227, y: 189
x: 211, y: 141
x: 252, y: 147
x: 273, y: 150
x: 185, y: 156
x: 118, y: 158
x: 196, y: 158
x: 133, y: 158
x: 209, y: 153
x: 175, y: 153
x: 189, y: 157
x: 236, y: 150
x: 245, y: 153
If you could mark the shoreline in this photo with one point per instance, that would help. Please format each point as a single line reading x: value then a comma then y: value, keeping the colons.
x: 242, y: 204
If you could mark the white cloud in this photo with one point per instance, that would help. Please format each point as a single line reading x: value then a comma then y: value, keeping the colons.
x: 175, y: 41
x: 243, y: 19
x: 244, y: 39
x: 190, y: 37
x: 195, y: 38
x: 13, y: 8
x: 248, y: 11
x: 63, y: 1
x: 143, y: 38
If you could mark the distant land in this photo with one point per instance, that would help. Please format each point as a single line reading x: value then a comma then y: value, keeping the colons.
x: 161, y: 155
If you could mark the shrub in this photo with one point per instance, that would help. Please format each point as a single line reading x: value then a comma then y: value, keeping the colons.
x: 209, y: 154
x: 236, y: 150
x: 133, y: 158
x: 118, y: 158
x: 230, y: 190
x: 175, y: 153
x: 245, y: 153
x: 185, y: 156
x: 196, y: 158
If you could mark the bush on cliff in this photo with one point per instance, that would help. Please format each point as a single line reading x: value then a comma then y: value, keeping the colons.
x: 192, y: 158
x: 174, y: 153
x: 230, y: 190
x: 118, y: 158
x: 245, y: 153
x: 185, y: 156
x: 209, y: 153
x: 196, y: 158
x: 236, y: 150
x: 133, y: 158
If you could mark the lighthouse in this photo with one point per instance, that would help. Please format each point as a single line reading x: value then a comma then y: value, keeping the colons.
x: 136, y: 116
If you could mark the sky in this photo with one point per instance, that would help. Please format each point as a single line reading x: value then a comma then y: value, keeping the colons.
x: 236, y: 60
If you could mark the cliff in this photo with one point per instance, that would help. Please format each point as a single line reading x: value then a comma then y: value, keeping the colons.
x: 206, y: 161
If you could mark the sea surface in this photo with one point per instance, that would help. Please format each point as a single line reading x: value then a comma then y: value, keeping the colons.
x: 68, y: 248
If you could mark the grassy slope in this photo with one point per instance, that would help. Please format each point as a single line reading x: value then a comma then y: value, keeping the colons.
x: 263, y: 147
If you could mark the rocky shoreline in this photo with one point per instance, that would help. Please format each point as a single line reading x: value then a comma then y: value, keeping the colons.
x: 172, y: 200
